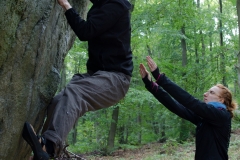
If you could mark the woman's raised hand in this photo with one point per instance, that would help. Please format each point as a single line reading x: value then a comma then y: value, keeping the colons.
x: 143, y: 72
x: 151, y: 64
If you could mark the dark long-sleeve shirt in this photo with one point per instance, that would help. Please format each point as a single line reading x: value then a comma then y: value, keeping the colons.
x: 213, y: 124
x: 108, y: 32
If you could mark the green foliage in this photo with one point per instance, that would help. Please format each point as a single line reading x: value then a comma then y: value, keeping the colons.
x: 236, y: 121
x: 84, y: 138
x: 76, y: 59
x: 170, y: 146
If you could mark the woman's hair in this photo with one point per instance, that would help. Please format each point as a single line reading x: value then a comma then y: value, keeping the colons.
x: 227, y: 96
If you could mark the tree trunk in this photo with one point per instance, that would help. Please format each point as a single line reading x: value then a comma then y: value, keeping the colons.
x: 199, y: 73
x: 139, y: 123
x: 35, y: 39
x: 184, y: 47
x: 222, y: 57
x: 184, y: 64
x: 162, y: 130
x: 96, y: 126
x: 238, y: 65
x: 113, y: 129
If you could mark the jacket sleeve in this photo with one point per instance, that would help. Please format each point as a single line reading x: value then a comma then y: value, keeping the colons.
x: 202, y: 109
x: 171, y: 104
x: 98, y: 22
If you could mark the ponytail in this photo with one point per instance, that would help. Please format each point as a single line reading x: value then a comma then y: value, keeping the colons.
x: 228, y: 101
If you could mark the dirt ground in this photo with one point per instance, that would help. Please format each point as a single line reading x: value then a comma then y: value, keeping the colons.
x: 146, y: 151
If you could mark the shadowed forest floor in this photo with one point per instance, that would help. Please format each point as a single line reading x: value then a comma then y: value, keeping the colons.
x: 166, y: 151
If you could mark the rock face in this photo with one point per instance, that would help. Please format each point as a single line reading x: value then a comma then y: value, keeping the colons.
x: 34, y: 39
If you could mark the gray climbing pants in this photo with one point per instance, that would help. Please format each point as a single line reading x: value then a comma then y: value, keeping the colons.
x: 83, y: 93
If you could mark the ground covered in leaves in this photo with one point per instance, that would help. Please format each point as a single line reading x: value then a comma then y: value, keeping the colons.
x: 165, y: 151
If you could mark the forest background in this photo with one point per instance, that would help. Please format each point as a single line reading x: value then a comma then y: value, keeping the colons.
x: 194, y: 43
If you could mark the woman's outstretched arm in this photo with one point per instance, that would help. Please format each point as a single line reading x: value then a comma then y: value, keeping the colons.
x: 164, y: 98
x: 200, y: 108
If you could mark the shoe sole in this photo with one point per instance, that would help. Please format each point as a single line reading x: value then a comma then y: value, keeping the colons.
x: 29, y: 136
